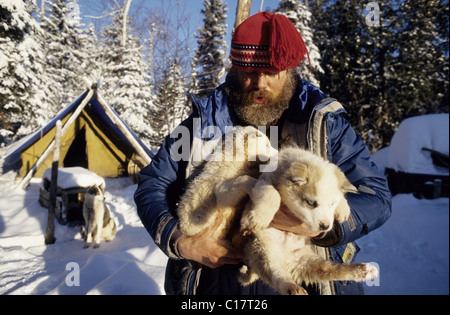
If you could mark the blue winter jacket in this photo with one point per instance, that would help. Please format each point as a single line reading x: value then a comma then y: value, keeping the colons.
x: 162, y: 182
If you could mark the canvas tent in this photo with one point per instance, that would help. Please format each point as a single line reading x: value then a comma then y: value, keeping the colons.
x: 93, y: 137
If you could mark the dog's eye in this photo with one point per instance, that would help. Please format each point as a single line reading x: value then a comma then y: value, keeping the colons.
x: 311, y: 203
x: 298, y: 180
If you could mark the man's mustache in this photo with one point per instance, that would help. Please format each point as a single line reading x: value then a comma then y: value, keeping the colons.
x: 258, y: 93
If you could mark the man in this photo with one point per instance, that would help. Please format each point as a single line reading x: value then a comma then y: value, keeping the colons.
x: 262, y: 89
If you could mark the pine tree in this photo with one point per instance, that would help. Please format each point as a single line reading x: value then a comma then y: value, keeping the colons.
x: 125, y: 79
x: 422, y: 60
x: 63, y: 51
x: 171, y: 101
x: 22, y: 81
x: 384, y: 74
x: 348, y: 60
x: 301, y: 17
x: 377, y: 117
x: 212, y: 49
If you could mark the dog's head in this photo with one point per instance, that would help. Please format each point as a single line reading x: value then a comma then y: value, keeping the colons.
x: 95, y: 192
x: 314, y: 190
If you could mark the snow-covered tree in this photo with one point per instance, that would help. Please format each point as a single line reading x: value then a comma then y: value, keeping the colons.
x: 125, y: 81
x: 384, y: 72
x: 171, y: 101
x: 23, y: 82
x: 347, y: 57
x: 211, y: 54
x: 301, y: 17
x: 63, y: 50
x: 422, y: 60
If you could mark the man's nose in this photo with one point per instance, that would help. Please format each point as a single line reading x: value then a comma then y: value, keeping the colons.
x: 260, y: 81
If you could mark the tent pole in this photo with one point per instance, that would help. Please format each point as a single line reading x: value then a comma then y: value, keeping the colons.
x: 24, y: 182
x: 124, y: 129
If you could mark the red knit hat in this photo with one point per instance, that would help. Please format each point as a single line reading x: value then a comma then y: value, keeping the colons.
x: 267, y: 42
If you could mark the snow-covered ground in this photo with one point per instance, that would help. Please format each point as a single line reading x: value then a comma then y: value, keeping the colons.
x: 411, y: 249
x: 129, y: 264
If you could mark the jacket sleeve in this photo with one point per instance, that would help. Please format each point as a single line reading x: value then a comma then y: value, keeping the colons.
x: 159, y: 188
x: 371, y: 207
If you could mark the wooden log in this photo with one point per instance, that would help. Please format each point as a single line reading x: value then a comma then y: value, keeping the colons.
x: 242, y: 12
x: 50, y: 229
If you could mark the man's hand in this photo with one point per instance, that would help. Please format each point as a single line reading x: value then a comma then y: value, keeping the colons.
x: 206, y: 249
x: 284, y: 220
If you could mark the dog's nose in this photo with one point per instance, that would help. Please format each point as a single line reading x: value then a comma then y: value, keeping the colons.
x: 323, y: 226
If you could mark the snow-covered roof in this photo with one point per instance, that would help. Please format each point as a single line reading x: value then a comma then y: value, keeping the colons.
x: 72, y: 177
x: 410, y: 147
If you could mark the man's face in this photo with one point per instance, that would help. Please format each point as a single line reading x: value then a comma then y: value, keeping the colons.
x: 263, y: 84
x: 260, y: 98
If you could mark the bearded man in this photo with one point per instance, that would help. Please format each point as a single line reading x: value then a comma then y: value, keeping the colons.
x: 261, y: 89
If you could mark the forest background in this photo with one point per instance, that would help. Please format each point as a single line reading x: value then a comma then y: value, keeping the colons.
x: 383, y: 60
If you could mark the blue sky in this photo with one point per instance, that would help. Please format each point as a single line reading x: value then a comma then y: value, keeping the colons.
x: 193, y: 9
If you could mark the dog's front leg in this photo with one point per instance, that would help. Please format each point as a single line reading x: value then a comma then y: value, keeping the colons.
x: 315, y: 269
x: 99, y: 213
x: 266, y: 202
x: 88, y: 228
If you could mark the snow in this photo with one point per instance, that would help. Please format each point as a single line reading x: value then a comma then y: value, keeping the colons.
x: 71, y: 177
x: 129, y: 264
x: 414, y: 134
x: 411, y: 249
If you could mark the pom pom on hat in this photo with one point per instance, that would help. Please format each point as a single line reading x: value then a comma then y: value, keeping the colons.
x: 267, y: 42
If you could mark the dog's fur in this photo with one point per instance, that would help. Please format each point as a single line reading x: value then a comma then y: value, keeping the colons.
x: 99, y: 223
x: 308, y: 186
x: 223, y: 181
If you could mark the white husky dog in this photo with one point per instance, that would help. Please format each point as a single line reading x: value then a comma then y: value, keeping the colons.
x: 310, y: 188
x: 313, y: 190
x: 99, y: 223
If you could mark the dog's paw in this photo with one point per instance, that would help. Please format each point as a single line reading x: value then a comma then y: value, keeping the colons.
x: 366, y: 271
x: 87, y: 245
x: 246, y: 276
x: 293, y: 289
x: 253, y: 221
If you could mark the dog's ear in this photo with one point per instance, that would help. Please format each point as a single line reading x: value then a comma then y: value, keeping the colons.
x: 102, y: 188
x: 92, y: 190
x: 344, y: 183
x: 297, y: 174
x: 96, y: 190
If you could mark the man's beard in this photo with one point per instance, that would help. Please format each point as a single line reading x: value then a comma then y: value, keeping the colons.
x: 249, y: 113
